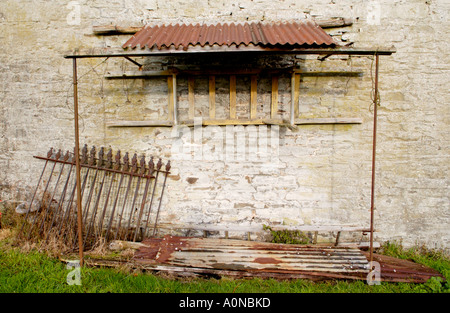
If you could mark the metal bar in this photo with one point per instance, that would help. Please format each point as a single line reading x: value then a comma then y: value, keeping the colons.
x: 85, y: 160
x: 124, y: 169
x: 85, y: 165
x: 82, y: 193
x: 58, y: 154
x: 252, y: 50
x: 175, y: 104
x: 155, y: 184
x: 91, y: 191
x: 372, y: 193
x: 144, y: 197
x: 134, y: 62
x: 133, y: 170
x: 161, y: 197
x: 108, y: 165
x: 61, y: 200
x: 141, y: 172
x: 49, y: 154
x: 77, y: 161
x: 68, y: 208
x: 99, y: 165
x: 65, y: 158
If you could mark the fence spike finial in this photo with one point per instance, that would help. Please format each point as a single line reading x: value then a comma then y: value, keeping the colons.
x: 100, y: 157
x: 84, y: 154
x: 92, y: 156
x: 117, y: 161
x: 126, y: 164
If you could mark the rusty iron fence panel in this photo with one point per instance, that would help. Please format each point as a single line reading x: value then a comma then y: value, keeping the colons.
x: 121, y: 197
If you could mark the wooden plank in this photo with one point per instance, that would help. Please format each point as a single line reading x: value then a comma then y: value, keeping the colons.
x: 115, y: 29
x: 170, y: 98
x: 232, y: 96
x: 212, y: 97
x: 292, y: 106
x: 148, y: 123
x: 330, y: 73
x: 137, y: 74
x: 259, y: 228
x: 334, y: 22
x: 274, y: 103
x: 328, y: 120
x: 174, y: 95
x: 149, y: 74
x: 125, y: 30
x: 236, y: 71
x: 296, y: 95
x: 191, y: 85
x: 253, y: 97
x: 190, y: 123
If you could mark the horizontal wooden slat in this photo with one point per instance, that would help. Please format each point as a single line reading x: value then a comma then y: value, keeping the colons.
x: 148, y: 123
x: 259, y: 228
x: 206, y: 122
x: 135, y: 74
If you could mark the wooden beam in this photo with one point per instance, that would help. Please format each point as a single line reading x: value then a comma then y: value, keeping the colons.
x: 274, y: 104
x: 232, y: 96
x: 212, y: 97
x: 149, y: 74
x: 298, y: 121
x: 296, y: 95
x: 191, y: 85
x: 170, y: 98
x: 137, y: 74
x: 291, y: 109
x: 148, y: 123
x: 120, y: 53
x: 253, y: 97
x: 174, y: 95
x: 115, y: 30
x: 342, y: 73
x: 236, y: 71
x: 128, y: 30
x: 333, y: 22
x: 328, y: 120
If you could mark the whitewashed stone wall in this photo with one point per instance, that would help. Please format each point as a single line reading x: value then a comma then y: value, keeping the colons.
x: 321, y: 174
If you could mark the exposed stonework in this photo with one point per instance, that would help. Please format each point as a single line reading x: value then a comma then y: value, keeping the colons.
x: 321, y: 173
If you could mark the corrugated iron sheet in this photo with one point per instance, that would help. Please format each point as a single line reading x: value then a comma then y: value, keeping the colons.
x: 302, y: 33
x: 251, y: 256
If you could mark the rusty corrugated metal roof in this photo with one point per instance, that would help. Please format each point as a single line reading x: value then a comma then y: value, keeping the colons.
x: 253, y: 257
x: 302, y: 33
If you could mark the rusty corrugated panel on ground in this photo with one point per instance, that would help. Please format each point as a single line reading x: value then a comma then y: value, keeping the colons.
x: 302, y: 33
x: 243, y: 258
x: 189, y: 256
x: 399, y: 270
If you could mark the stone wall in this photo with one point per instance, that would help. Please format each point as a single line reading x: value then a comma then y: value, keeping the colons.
x: 318, y: 174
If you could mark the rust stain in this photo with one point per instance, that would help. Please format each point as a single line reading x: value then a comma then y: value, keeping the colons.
x: 267, y: 261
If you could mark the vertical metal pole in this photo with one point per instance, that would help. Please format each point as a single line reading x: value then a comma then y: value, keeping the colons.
x: 77, y: 161
x: 374, y: 147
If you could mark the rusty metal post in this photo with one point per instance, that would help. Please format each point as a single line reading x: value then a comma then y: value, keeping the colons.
x: 374, y: 148
x: 77, y: 161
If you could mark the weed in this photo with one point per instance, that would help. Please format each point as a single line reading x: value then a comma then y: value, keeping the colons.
x: 287, y: 236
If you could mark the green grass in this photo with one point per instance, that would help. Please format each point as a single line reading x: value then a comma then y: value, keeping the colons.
x: 35, y: 272
x: 39, y: 272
